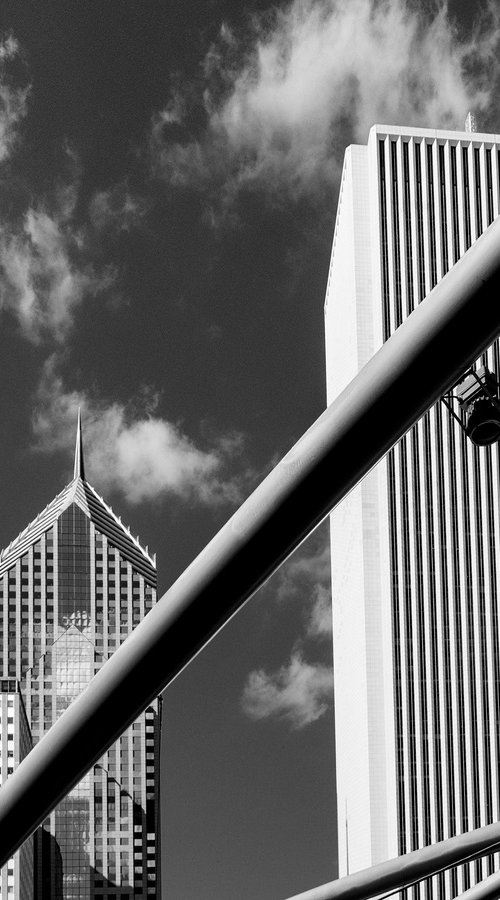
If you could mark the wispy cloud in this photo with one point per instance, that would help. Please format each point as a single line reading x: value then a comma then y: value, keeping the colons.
x: 46, y: 264
x: 279, y: 103
x: 45, y: 273
x: 308, y: 568
x: 129, y: 448
x: 13, y: 97
x: 117, y: 209
x: 49, y: 246
x: 320, y: 618
x: 305, y: 578
x: 298, y: 693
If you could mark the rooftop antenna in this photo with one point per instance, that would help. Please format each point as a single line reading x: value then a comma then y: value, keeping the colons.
x: 346, y: 840
x: 79, y: 468
x: 470, y: 122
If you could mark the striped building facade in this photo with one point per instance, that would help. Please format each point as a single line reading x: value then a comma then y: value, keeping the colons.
x: 414, y: 548
x: 73, y: 585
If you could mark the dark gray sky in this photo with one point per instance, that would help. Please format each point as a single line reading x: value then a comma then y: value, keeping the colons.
x: 168, y: 182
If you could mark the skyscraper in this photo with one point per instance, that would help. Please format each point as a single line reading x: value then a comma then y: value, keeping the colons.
x: 74, y: 584
x: 16, y: 878
x: 414, y: 548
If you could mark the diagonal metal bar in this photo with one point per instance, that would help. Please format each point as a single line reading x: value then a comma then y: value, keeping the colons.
x: 394, y: 875
x: 488, y: 889
x: 427, y: 354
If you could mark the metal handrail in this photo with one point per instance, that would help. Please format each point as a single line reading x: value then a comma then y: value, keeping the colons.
x: 438, y: 341
x: 394, y: 875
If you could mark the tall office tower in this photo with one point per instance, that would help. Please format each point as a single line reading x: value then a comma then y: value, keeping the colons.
x: 414, y: 548
x: 74, y: 584
x: 16, y: 878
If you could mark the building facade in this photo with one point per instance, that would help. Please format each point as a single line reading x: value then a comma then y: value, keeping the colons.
x: 414, y: 547
x: 16, y: 878
x: 74, y: 584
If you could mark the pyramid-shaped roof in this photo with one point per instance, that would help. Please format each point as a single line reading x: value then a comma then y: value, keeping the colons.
x: 82, y: 493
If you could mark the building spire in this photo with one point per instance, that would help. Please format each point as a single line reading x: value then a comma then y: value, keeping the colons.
x: 79, y: 469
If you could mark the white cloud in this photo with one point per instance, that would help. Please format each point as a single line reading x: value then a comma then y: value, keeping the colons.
x: 44, y: 274
x: 306, y: 571
x: 320, y: 617
x: 281, y: 103
x: 139, y: 454
x: 305, y: 578
x: 116, y: 209
x: 13, y: 98
x: 298, y: 693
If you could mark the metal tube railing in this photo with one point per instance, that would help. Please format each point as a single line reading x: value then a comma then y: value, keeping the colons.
x: 401, y: 872
x: 427, y: 354
x: 488, y: 889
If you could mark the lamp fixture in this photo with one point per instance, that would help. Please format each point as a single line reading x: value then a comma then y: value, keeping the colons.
x: 479, y: 406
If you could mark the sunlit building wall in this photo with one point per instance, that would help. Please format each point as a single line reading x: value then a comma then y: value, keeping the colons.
x: 16, y: 878
x: 414, y: 547
x: 74, y: 584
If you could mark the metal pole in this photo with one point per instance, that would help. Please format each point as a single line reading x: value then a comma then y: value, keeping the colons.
x: 403, y: 871
x: 488, y: 889
x: 428, y: 353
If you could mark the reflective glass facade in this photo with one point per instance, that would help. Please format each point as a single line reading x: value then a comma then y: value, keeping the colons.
x: 415, y: 546
x: 74, y: 585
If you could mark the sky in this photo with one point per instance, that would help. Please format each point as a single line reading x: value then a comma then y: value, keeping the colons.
x: 168, y: 182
